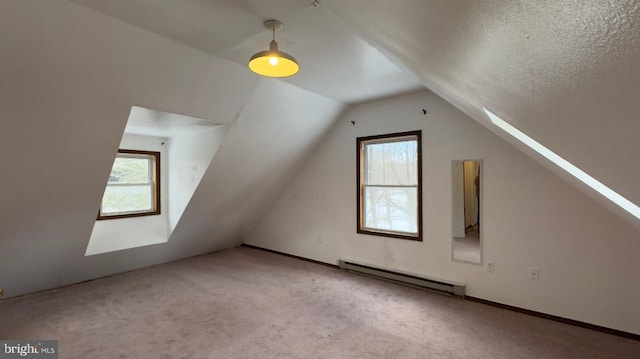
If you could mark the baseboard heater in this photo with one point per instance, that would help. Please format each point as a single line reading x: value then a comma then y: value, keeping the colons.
x: 443, y: 286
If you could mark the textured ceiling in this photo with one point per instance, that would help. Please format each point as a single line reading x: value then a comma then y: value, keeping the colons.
x: 564, y: 72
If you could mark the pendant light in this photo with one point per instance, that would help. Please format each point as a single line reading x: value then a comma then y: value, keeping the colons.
x: 273, y: 62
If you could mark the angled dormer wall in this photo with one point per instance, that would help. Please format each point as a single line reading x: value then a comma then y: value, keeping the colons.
x: 186, y: 146
x: 70, y: 77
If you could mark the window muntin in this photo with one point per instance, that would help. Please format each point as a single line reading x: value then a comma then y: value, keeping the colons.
x: 133, y: 188
x: 389, y: 185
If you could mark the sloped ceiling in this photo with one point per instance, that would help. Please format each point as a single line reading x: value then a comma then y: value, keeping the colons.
x: 335, y: 62
x: 564, y: 72
x: 71, y: 72
x: 70, y: 77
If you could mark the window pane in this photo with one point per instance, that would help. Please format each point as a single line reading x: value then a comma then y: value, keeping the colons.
x: 131, y: 170
x: 127, y: 199
x: 391, y: 209
x: 392, y: 163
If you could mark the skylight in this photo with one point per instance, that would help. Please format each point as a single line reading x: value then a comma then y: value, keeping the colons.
x: 576, y: 172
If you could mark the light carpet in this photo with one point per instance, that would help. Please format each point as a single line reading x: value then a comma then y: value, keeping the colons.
x: 248, y: 303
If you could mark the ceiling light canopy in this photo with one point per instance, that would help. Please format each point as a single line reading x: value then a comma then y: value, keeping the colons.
x: 273, y: 62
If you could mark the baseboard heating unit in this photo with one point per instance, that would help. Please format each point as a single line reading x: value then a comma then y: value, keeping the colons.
x: 413, y: 280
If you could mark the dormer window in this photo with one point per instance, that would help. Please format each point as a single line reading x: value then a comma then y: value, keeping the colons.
x: 133, y: 188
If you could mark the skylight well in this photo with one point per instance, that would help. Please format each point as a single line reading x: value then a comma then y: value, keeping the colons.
x: 576, y: 172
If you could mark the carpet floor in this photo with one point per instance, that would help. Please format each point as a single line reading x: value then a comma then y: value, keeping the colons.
x: 467, y: 249
x: 248, y: 303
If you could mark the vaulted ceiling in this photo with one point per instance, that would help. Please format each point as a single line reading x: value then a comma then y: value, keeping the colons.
x: 564, y: 72
x: 336, y: 62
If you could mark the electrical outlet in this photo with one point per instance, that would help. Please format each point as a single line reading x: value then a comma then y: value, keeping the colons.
x: 534, y: 273
x: 491, y: 266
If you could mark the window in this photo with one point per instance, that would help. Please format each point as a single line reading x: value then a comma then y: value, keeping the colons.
x: 133, y: 188
x: 390, y: 185
x: 613, y: 196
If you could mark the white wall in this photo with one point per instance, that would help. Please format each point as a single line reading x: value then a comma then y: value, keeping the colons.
x: 70, y: 77
x: 189, y: 157
x: 586, y: 255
